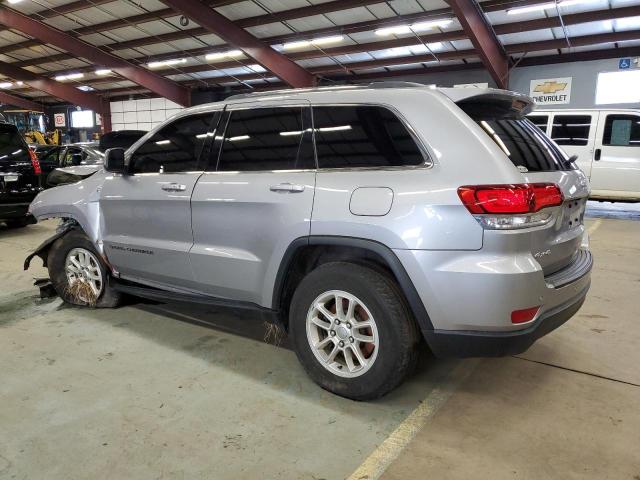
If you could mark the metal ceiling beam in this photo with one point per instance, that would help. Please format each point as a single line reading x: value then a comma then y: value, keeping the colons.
x: 158, y: 84
x: 585, y: 40
x: 484, y: 39
x: 301, y: 12
x: 525, y: 62
x: 283, y: 67
x: 7, y: 98
x: 60, y: 90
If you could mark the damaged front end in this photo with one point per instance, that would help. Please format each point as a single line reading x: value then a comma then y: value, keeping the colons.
x: 78, y: 207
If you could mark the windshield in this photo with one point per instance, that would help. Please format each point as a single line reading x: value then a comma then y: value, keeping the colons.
x: 526, y: 145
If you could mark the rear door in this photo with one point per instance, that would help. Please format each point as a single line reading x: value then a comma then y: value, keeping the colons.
x: 616, y: 165
x: 575, y: 132
x: 254, y: 201
x: 147, y: 213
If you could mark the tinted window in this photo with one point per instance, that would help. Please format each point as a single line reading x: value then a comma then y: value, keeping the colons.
x: 540, y: 121
x: 622, y: 131
x: 362, y: 136
x: 571, y: 129
x: 267, y: 139
x: 175, y: 148
x: 525, y: 145
x: 12, y: 146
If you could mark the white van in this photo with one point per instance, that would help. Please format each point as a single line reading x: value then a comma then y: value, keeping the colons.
x: 607, y: 143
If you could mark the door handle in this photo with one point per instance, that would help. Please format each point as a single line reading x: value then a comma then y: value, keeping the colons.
x: 287, y: 188
x: 598, y: 154
x: 173, y: 187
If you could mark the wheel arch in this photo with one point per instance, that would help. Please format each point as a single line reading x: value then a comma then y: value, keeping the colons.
x: 42, y: 250
x: 306, y: 253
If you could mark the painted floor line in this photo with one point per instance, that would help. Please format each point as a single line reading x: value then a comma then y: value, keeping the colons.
x: 378, y: 462
x: 594, y: 226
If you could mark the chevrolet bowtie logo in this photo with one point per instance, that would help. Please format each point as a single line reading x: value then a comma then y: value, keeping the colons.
x: 550, y: 87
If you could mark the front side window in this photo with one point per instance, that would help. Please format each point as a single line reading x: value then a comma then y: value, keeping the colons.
x: 175, y: 148
x: 571, y: 129
x: 622, y: 131
x: 266, y: 139
x: 363, y: 136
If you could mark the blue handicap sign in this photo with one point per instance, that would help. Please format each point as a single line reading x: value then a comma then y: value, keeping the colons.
x: 624, y: 63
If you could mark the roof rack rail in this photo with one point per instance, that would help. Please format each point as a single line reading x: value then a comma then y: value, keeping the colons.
x: 391, y: 84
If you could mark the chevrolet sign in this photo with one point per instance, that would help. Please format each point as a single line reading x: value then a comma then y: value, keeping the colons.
x: 551, y: 91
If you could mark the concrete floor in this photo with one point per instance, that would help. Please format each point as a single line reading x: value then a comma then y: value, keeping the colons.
x: 158, y: 391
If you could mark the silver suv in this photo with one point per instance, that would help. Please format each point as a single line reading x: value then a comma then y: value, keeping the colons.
x: 360, y: 219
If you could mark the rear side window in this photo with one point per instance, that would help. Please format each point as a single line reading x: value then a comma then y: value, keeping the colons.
x: 622, y: 131
x: 362, y: 136
x: 571, y: 129
x: 175, y: 148
x: 12, y: 146
x: 540, y: 121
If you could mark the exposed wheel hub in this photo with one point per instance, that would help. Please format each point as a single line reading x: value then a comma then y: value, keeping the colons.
x: 342, y: 333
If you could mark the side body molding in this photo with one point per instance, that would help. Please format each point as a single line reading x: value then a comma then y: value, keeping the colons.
x: 406, y: 285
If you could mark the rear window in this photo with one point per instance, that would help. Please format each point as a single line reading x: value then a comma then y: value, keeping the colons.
x: 12, y: 146
x: 520, y: 139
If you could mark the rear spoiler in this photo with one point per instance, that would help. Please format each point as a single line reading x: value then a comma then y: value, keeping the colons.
x: 491, y: 101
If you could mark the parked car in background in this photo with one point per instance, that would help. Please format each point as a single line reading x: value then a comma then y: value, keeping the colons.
x: 62, y: 164
x: 361, y: 219
x: 607, y: 143
x: 120, y: 139
x: 19, y: 177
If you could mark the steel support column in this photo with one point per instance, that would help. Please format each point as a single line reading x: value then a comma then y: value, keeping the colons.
x: 484, y: 39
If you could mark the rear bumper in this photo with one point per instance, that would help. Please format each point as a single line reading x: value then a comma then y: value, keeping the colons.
x: 10, y: 211
x: 459, y: 344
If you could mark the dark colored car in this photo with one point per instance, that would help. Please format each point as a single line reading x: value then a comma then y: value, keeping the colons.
x: 19, y: 177
x: 62, y: 164
x: 120, y: 139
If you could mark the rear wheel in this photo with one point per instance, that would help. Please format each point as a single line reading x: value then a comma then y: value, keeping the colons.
x: 78, y: 274
x: 352, y: 330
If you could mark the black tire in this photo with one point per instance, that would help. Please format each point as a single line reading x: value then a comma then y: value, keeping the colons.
x: 108, y: 298
x: 398, y: 333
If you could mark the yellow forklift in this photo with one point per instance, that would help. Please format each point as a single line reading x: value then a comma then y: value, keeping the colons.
x: 32, y: 125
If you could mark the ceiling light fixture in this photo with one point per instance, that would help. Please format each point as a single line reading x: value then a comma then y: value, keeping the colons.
x: 544, y: 6
x: 314, y: 41
x: 415, y: 27
x: 103, y: 71
x: 167, y: 63
x: 14, y: 1
x: 222, y: 55
x: 70, y: 76
x: 6, y: 85
x: 86, y: 88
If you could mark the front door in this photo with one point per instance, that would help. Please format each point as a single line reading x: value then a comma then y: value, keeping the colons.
x: 576, y: 133
x: 616, y: 166
x: 147, y: 212
x: 254, y: 201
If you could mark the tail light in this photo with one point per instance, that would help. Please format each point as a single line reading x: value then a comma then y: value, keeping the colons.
x: 511, y: 206
x: 35, y: 162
